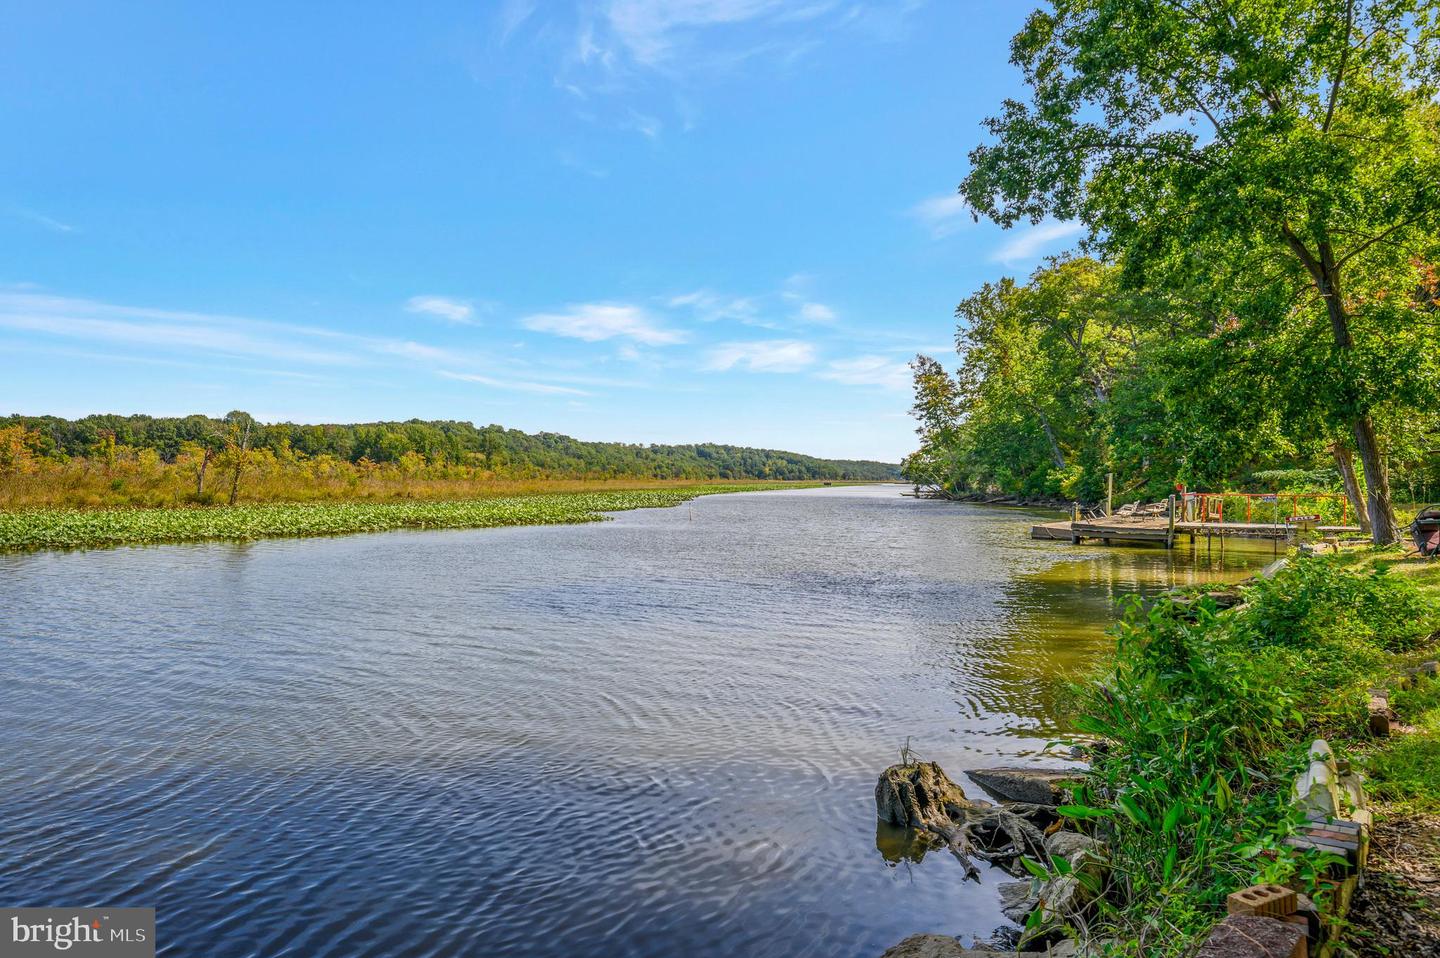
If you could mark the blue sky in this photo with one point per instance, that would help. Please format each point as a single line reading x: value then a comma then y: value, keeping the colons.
x: 633, y: 220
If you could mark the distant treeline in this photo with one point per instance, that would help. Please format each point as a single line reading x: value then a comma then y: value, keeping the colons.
x: 507, y: 452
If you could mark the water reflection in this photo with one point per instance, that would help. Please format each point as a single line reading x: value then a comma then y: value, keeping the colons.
x: 897, y: 845
x: 1057, y: 619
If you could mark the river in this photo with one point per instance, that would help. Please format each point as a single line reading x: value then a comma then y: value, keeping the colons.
x: 652, y: 736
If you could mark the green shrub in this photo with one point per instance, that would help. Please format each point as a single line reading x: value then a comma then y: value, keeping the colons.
x: 1205, y: 719
x: 1316, y: 599
x: 1406, y: 774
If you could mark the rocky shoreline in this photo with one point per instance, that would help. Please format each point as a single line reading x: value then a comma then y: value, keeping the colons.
x: 1024, y: 823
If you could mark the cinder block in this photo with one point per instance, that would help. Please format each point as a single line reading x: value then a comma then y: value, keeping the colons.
x: 1336, y: 824
x: 1348, y: 853
x: 1332, y: 835
x: 1272, y: 901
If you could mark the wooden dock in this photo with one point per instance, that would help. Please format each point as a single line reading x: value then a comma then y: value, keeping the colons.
x: 1159, y: 529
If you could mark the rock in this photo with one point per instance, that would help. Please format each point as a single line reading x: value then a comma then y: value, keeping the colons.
x: 928, y: 946
x: 1249, y: 936
x: 1060, y: 898
x: 1061, y: 949
x: 1224, y: 600
x: 1064, y: 897
x: 1017, y: 900
x: 1068, y: 844
x: 911, y: 795
x: 1038, y: 786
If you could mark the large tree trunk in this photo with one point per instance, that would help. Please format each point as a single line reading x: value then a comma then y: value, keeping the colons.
x: 1055, y: 452
x: 1325, y: 271
x: 1377, y: 478
x: 1345, y: 462
x: 1377, y: 483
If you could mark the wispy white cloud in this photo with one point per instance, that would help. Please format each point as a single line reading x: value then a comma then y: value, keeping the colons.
x: 43, y: 321
x: 594, y: 322
x: 868, y: 371
x: 816, y: 313
x: 171, y: 330
x: 50, y: 223
x: 412, y: 350
x: 651, y: 31
x: 512, y: 15
x: 765, y: 356
x: 1030, y: 242
x: 641, y: 65
x: 220, y: 339
x: 709, y: 306
x: 444, y: 307
x: 790, y: 306
x: 648, y: 126
x: 618, y: 44
x: 579, y: 164
x: 943, y: 214
x: 545, y: 389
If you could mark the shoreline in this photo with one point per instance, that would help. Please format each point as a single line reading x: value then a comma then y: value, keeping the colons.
x: 1314, y: 650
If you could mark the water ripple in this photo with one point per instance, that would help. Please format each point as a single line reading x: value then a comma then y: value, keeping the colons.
x: 654, y: 736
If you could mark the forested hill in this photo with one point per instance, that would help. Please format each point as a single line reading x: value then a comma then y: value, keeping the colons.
x: 507, y: 451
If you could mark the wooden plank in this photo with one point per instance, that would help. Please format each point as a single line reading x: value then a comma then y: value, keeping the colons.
x: 1131, y: 530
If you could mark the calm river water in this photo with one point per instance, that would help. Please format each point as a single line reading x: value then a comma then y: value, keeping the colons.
x: 654, y: 736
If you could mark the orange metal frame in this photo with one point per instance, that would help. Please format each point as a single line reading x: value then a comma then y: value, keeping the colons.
x: 1212, y: 504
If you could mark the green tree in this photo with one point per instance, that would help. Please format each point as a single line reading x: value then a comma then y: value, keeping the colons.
x: 1193, y: 135
x: 937, y: 409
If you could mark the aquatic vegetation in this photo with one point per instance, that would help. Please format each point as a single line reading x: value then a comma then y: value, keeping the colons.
x: 31, y: 529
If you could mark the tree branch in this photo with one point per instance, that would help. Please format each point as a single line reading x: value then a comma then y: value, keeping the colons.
x: 1377, y: 238
x: 1133, y: 147
x: 1340, y: 70
x: 1311, y: 263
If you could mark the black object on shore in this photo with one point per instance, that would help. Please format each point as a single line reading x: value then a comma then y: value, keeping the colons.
x: 1425, y: 530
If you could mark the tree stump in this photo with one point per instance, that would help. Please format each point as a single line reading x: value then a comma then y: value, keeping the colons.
x: 917, y: 795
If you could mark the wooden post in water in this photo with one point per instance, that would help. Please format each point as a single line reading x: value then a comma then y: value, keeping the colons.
x: 1170, y: 526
